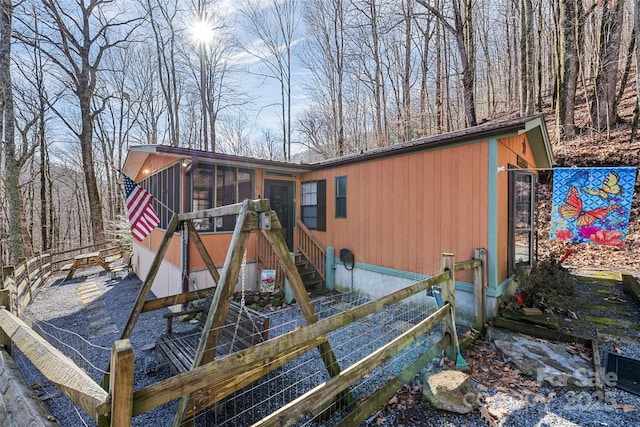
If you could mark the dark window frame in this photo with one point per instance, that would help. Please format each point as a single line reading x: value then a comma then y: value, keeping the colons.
x: 341, y: 199
x: 319, y: 209
x: 522, y: 219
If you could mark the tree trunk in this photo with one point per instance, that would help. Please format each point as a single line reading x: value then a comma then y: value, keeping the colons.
x: 603, y: 112
x: 527, y: 73
x: 86, y: 147
x: 636, y: 111
x: 569, y: 65
x: 8, y: 132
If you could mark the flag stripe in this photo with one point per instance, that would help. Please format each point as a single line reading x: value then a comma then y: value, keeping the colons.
x: 142, y: 217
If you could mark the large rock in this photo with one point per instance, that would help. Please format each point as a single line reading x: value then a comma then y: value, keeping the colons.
x: 545, y: 361
x: 450, y: 391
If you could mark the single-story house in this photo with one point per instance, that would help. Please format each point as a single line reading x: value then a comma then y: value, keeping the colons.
x: 390, y: 212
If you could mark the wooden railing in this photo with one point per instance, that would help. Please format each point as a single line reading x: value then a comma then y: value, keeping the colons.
x: 312, y: 249
x: 25, y: 279
x: 267, y: 259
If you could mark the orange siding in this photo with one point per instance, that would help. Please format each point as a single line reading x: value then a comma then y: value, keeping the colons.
x: 173, y: 251
x: 404, y: 211
x: 217, y: 245
x: 508, y: 151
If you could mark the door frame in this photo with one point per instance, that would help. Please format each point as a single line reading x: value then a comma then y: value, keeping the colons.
x: 290, y: 206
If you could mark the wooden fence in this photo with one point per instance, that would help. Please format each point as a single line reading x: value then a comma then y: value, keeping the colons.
x: 117, y: 406
x: 25, y: 279
x: 121, y: 403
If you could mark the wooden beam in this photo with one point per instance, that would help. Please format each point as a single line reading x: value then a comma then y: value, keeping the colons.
x: 121, y: 385
x: 151, y: 275
x: 5, y: 303
x: 632, y: 286
x: 146, y: 287
x: 386, y: 392
x: 54, y: 365
x: 258, y: 205
x: 467, y: 265
x: 322, y: 394
x: 19, y: 407
x: 265, y: 353
x: 479, y: 289
x: 206, y: 350
x: 158, y: 303
x: 208, y: 378
x: 197, y: 241
x: 537, y: 331
x: 295, y: 282
x: 208, y: 396
x: 449, y: 296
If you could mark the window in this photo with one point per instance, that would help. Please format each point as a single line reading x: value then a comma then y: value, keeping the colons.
x: 164, y: 186
x: 313, y: 204
x: 341, y: 197
x: 521, y: 218
x: 219, y: 186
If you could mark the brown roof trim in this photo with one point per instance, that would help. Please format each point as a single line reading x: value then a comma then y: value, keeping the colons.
x: 222, y: 158
x: 465, y: 135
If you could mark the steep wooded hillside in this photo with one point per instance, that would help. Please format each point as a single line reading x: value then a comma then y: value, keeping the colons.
x: 594, y: 149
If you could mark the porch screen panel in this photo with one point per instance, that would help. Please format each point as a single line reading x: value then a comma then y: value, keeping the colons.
x: 225, y: 195
x: 164, y: 186
x: 202, y: 195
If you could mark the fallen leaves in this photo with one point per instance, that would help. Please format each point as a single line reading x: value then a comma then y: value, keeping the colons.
x: 488, y: 417
x: 625, y: 408
x: 489, y: 370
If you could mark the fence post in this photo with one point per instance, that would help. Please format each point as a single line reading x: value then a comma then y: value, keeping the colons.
x: 121, y: 383
x: 6, y: 272
x: 5, y: 301
x: 449, y: 296
x: 479, y: 289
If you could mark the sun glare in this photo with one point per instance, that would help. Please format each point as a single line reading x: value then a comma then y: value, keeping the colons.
x: 202, y: 31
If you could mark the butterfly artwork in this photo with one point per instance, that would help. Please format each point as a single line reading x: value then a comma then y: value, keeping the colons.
x: 578, y: 179
x: 592, y: 205
x: 574, y: 209
x: 610, y: 186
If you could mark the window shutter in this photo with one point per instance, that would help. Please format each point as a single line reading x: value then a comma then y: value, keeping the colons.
x: 322, y: 205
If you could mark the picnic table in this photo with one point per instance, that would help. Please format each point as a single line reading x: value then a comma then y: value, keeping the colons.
x: 85, y: 260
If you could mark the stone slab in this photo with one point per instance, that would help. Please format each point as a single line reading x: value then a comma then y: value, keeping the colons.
x: 543, y: 360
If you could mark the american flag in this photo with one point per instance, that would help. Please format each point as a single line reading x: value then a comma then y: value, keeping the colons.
x: 142, y: 217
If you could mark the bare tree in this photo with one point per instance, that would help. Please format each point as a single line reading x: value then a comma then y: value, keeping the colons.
x: 275, y: 25
x: 570, y: 17
x: 324, y: 57
x: 77, y: 45
x: 369, y: 33
x: 636, y: 111
x: 8, y: 133
x: 162, y: 16
x: 527, y: 65
x: 462, y: 30
x: 603, y: 111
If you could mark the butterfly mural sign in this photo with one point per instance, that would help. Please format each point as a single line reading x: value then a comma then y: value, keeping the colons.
x: 592, y: 205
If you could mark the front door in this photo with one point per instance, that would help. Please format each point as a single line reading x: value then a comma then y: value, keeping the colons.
x: 280, y: 194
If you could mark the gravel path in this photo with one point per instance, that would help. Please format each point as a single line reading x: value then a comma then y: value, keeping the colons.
x: 96, y: 309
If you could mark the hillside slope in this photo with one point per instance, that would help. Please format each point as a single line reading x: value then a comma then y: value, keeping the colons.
x: 594, y: 149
